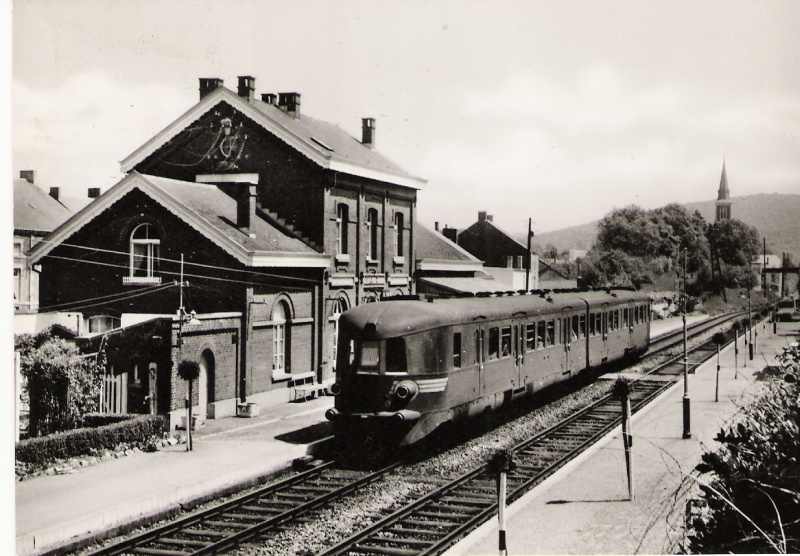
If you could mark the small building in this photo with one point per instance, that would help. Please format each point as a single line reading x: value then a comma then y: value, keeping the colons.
x: 505, y: 259
x: 772, y: 279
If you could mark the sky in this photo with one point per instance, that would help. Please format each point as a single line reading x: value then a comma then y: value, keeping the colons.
x: 558, y: 111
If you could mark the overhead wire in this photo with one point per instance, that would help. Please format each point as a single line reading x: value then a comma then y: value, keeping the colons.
x: 126, y: 297
x: 191, y: 275
x: 106, y: 297
x: 177, y: 261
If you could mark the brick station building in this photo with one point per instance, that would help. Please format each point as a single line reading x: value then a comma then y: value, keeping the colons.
x: 282, y: 222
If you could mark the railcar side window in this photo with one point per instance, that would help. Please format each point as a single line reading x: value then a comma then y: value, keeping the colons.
x: 370, y: 355
x: 592, y: 330
x: 396, y: 355
x: 530, y: 337
x: 625, y: 317
x: 505, y: 341
x: 494, y: 343
x: 540, y: 334
x: 551, y: 333
x: 575, y: 332
x: 582, y: 326
x: 598, y: 323
x: 457, y: 350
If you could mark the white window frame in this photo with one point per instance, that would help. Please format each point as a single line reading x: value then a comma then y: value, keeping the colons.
x: 151, y: 247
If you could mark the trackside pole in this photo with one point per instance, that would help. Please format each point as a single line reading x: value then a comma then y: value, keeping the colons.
x: 502, y: 462
x: 622, y: 389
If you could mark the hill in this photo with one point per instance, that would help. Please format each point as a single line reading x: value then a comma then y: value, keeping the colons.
x: 775, y: 216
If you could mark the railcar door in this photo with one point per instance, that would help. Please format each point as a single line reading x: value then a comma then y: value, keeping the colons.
x: 566, y: 336
x: 479, y: 341
x: 604, y: 333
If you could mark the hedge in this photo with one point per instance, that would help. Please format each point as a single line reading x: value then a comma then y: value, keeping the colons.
x: 63, y: 445
x: 94, y: 420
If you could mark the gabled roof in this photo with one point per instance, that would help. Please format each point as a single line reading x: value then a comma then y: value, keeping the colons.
x: 35, y: 210
x: 206, y: 209
x: 436, y: 252
x: 326, y: 144
x: 474, y: 228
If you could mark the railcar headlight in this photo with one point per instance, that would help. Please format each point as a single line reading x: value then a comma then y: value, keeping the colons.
x: 331, y: 414
x: 406, y: 390
x: 335, y: 388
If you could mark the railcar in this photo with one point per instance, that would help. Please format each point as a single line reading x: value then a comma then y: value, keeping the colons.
x: 406, y: 367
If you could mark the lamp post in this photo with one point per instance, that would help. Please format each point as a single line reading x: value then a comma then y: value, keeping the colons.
x: 188, y: 318
x: 687, y: 418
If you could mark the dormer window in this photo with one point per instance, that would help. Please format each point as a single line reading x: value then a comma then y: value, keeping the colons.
x: 144, y: 247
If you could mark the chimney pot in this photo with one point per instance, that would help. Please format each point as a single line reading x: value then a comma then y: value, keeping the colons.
x: 209, y: 85
x: 94, y: 192
x: 481, y: 215
x: 290, y: 103
x: 368, y: 132
x: 268, y: 98
x: 54, y: 193
x: 247, y: 87
x: 436, y: 226
x: 28, y: 175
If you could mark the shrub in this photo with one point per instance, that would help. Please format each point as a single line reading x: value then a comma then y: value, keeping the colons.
x: 63, y: 445
x: 62, y: 384
x: 751, y: 500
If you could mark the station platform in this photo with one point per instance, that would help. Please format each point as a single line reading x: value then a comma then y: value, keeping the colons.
x: 59, y: 510
x: 584, y: 508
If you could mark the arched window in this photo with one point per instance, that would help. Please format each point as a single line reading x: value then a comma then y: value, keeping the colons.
x: 342, y: 219
x: 279, y: 333
x: 398, y: 234
x: 144, y: 247
x: 372, y: 234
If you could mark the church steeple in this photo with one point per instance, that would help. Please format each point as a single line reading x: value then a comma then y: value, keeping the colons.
x: 723, y: 197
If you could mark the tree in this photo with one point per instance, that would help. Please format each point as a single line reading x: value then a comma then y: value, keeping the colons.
x: 630, y: 230
x: 734, y: 242
x: 678, y: 230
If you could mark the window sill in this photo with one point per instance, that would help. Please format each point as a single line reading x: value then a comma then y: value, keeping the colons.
x: 278, y: 376
x: 372, y: 262
x: 140, y: 280
x: 342, y: 259
x: 399, y: 261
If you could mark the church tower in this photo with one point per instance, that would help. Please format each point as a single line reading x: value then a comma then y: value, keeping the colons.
x: 723, y: 198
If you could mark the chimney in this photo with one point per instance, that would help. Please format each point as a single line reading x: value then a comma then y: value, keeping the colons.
x: 368, y: 132
x: 247, y: 87
x: 436, y: 226
x: 208, y: 85
x: 54, y: 193
x: 481, y: 216
x: 451, y: 234
x: 489, y: 218
x: 268, y: 98
x: 28, y: 175
x: 290, y: 103
x: 246, y: 208
x: 94, y: 192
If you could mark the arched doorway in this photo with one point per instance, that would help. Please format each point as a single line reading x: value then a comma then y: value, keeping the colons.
x: 205, y: 383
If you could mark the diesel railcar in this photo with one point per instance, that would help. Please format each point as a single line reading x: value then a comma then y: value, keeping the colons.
x: 414, y: 365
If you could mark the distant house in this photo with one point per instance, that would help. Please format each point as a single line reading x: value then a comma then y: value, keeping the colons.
x: 443, y: 268
x: 505, y: 258
x: 770, y: 281
x: 36, y: 214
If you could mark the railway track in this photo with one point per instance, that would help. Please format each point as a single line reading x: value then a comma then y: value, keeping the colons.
x: 429, y: 524
x: 223, y: 527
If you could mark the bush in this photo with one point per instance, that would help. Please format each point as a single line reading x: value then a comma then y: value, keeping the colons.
x: 79, y: 442
x: 62, y: 384
x: 751, y: 500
